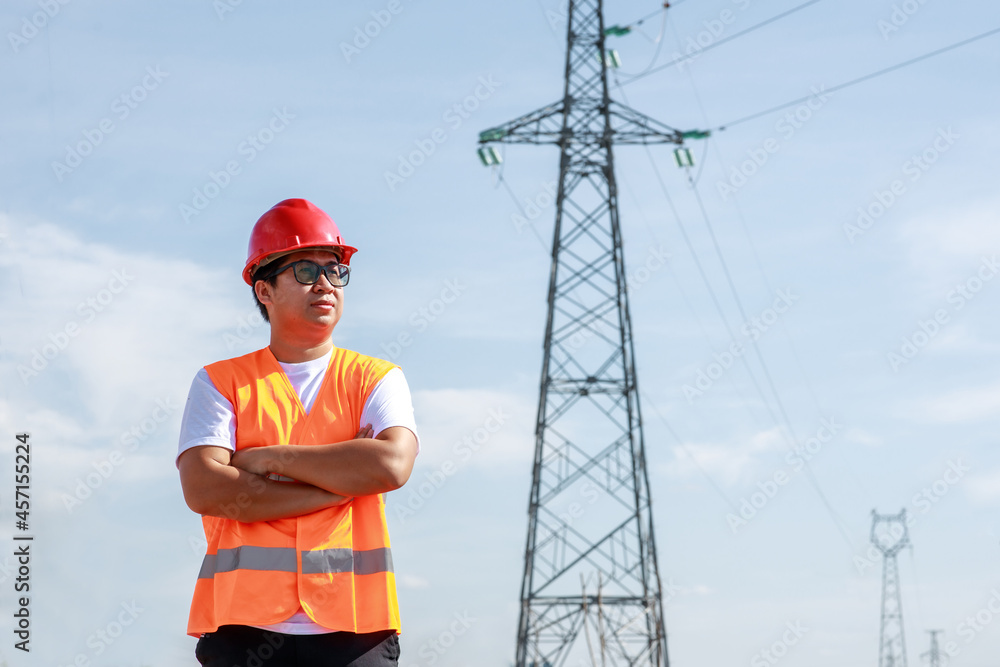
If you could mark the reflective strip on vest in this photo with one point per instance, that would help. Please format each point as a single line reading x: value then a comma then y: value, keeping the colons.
x: 282, y: 559
x: 327, y: 561
x: 275, y: 559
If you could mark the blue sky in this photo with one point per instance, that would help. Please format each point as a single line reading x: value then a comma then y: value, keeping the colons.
x: 101, y: 261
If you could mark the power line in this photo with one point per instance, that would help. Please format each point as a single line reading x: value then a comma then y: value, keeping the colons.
x: 691, y: 455
x: 666, y: 5
x: 721, y: 42
x: 708, y: 285
x: 659, y: 46
x: 790, y: 437
x: 694, y: 314
x: 502, y: 181
x: 838, y: 521
x: 873, y: 75
x: 648, y: 16
x: 810, y: 476
x: 756, y: 256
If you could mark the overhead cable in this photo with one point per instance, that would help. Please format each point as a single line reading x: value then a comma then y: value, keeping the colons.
x: 861, y: 79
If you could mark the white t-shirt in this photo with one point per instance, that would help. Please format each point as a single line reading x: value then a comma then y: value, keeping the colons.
x: 209, y: 419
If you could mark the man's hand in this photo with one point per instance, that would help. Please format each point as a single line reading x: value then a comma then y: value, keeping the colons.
x: 254, y: 460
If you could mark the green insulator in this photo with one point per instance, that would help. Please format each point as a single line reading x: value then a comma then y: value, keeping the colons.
x: 617, y: 31
x: 683, y: 157
x: 494, y: 134
x: 489, y: 156
x: 696, y: 134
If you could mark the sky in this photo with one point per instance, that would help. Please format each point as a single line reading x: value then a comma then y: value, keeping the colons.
x: 139, y: 143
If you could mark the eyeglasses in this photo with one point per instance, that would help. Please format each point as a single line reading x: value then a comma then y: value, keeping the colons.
x: 308, y: 272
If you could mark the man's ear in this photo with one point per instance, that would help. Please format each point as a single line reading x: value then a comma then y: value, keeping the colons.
x: 263, y: 290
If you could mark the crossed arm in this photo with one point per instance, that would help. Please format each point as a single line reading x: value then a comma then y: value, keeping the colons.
x: 217, y: 482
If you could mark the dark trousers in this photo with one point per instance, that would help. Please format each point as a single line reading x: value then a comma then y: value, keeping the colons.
x: 243, y: 646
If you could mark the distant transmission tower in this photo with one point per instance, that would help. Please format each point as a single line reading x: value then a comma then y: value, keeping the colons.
x: 590, y: 561
x: 934, y: 655
x: 890, y: 536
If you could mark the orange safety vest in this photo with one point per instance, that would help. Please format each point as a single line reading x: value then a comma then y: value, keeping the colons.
x: 335, y: 562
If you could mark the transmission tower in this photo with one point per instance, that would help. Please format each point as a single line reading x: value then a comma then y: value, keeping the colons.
x: 890, y: 536
x: 590, y: 560
x: 934, y: 655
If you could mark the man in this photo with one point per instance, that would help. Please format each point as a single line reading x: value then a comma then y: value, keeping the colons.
x: 286, y: 453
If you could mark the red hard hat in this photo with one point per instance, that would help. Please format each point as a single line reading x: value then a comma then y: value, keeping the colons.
x: 292, y: 224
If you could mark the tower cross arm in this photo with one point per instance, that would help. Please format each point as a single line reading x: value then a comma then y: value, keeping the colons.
x: 542, y: 126
x: 546, y: 126
x: 632, y: 127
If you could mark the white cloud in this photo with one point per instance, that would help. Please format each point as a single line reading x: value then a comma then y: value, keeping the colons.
x: 863, y: 437
x: 730, y: 463
x: 121, y: 329
x: 947, y: 246
x: 413, y: 581
x: 480, y: 426
x: 956, y: 337
x: 940, y: 236
x: 960, y: 406
x: 95, y: 341
x: 984, y: 488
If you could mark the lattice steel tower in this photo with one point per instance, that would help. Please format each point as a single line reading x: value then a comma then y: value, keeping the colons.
x: 590, y: 564
x: 890, y: 536
x: 934, y: 655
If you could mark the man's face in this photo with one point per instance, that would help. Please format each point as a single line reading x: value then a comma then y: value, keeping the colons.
x: 293, y: 305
